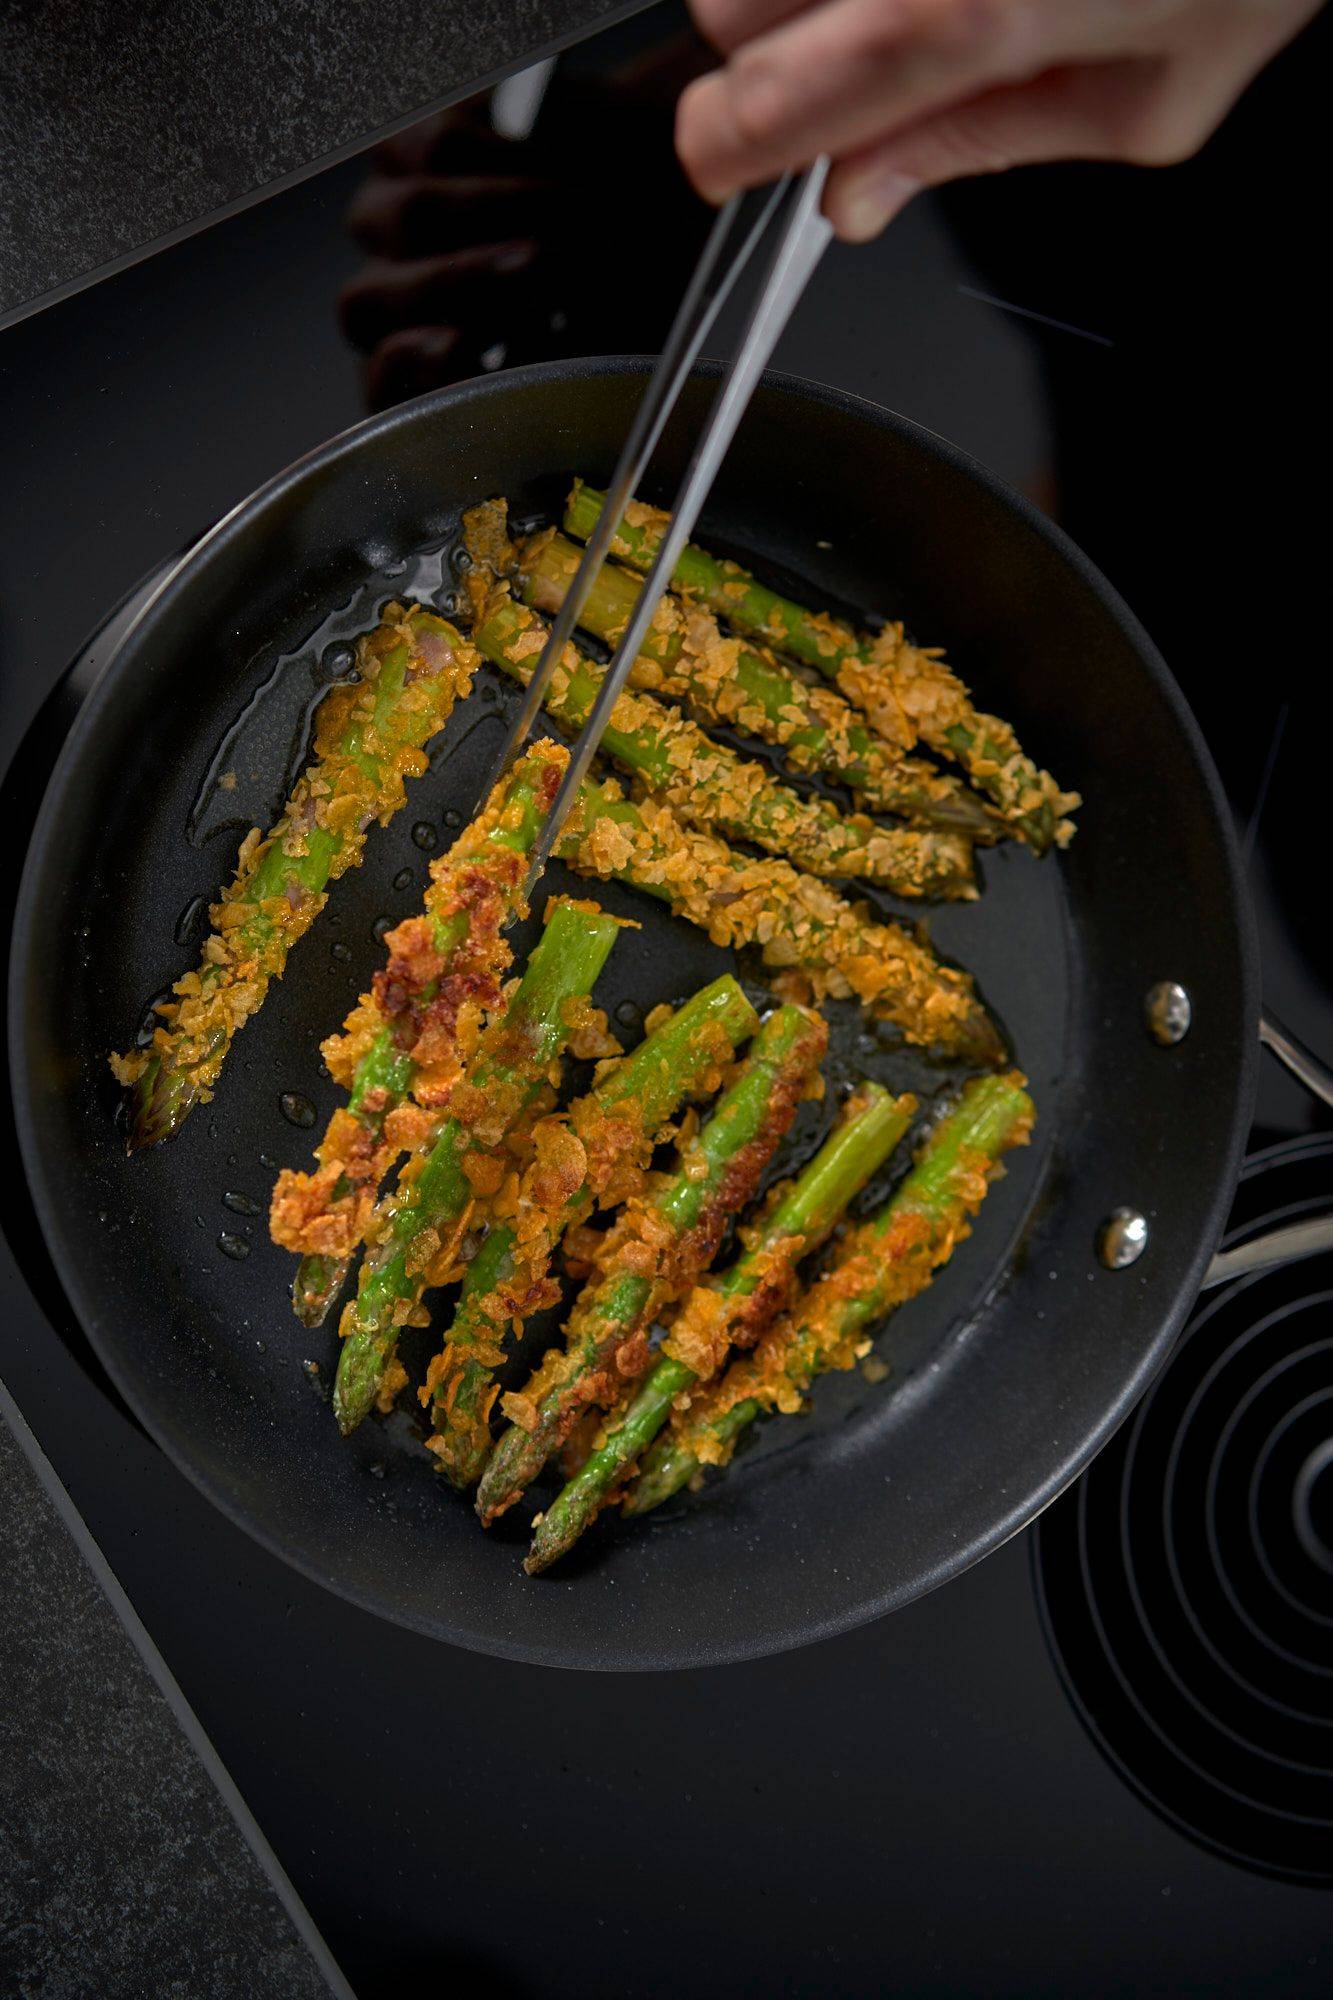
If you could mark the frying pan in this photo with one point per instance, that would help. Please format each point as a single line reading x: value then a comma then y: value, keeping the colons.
x: 1027, y: 1352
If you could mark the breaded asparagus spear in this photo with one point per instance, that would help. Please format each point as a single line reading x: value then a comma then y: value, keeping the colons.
x: 420, y: 1226
x: 907, y: 691
x: 742, y: 686
x: 710, y: 785
x: 733, y: 1310
x: 881, y: 1265
x: 404, y: 1043
x: 369, y: 736
x: 804, y: 929
x: 651, y: 1257
x: 597, y: 1153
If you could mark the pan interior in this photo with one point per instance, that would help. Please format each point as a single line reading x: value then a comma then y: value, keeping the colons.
x: 1001, y: 1372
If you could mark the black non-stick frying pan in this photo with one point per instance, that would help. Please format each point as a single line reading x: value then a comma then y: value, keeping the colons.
x: 1007, y: 1375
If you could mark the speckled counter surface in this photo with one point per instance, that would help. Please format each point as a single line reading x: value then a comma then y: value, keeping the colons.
x: 128, y: 1865
x: 124, y: 122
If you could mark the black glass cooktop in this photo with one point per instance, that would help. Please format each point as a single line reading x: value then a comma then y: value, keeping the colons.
x: 1100, y: 1763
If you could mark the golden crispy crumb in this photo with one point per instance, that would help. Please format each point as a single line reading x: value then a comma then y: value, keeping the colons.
x: 443, y: 975
x: 365, y: 748
x: 819, y: 1333
x: 795, y: 920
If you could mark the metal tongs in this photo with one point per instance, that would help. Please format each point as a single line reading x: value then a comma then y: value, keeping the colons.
x: 789, y: 212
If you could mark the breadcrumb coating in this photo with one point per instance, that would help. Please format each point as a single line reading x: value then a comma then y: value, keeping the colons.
x: 605, y: 1350
x: 594, y: 1155
x: 828, y: 1328
x: 909, y: 688
x: 370, y: 737
x: 908, y: 692
x: 496, y: 1104
x: 820, y: 945
x: 442, y: 978
x: 705, y: 782
x: 709, y: 1324
x: 745, y: 687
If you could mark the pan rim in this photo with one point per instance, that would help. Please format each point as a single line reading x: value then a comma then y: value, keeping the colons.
x: 863, y: 1606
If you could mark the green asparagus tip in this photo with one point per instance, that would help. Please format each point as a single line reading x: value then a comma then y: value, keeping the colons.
x: 464, y: 1463
x: 160, y: 1102
x: 316, y: 1285
x: 671, y: 1464
x: 357, y: 1384
x: 537, y: 1559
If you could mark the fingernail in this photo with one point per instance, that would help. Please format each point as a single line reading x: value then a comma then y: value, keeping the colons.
x: 872, y: 205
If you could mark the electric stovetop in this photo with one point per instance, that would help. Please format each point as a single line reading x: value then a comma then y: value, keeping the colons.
x: 1100, y: 1763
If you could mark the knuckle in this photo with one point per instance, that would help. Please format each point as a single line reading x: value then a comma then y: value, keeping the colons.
x: 978, y: 24
x: 1002, y: 38
x: 763, y: 105
x: 716, y: 20
x: 1151, y: 129
x: 1168, y: 141
x: 885, y: 28
x: 981, y: 34
x: 964, y: 146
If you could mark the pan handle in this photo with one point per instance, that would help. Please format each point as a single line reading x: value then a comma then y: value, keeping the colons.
x: 1293, y: 1240
x: 1304, y: 1065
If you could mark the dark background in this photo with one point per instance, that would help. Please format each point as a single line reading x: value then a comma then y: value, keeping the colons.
x: 913, y: 1808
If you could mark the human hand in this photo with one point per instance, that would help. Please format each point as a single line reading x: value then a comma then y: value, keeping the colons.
x: 485, y: 251
x: 906, y: 94
x: 450, y: 218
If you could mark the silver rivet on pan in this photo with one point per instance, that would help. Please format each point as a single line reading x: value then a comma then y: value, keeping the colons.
x: 1122, y: 1238
x: 1168, y: 1012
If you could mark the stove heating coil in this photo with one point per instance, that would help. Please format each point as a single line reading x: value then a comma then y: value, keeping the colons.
x: 1187, y: 1580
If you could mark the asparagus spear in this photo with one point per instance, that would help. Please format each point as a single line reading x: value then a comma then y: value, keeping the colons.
x: 885, y: 1262
x: 803, y: 928
x: 597, y: 1153
x: 733, y: 1310
x: 407, y: 1037
x: 369, y: 736
x: 710, y: 785
x: 907, y: 692
x: 421, y: 1225
x: 654, y: 1252
x: 722, y: 681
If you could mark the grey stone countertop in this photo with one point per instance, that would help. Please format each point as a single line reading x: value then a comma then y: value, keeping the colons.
x: 124, y: 123
x: 129, y: 1864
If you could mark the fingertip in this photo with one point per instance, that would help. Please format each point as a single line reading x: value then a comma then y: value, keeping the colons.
x: 859, y: 219
x: 695, y: 121
x: 367, y: 211
x: 412, y: 360
x: 861, y: 207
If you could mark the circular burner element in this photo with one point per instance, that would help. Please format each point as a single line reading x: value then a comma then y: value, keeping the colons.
x: 1312, y: 1505
x: 1187, y: 1580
